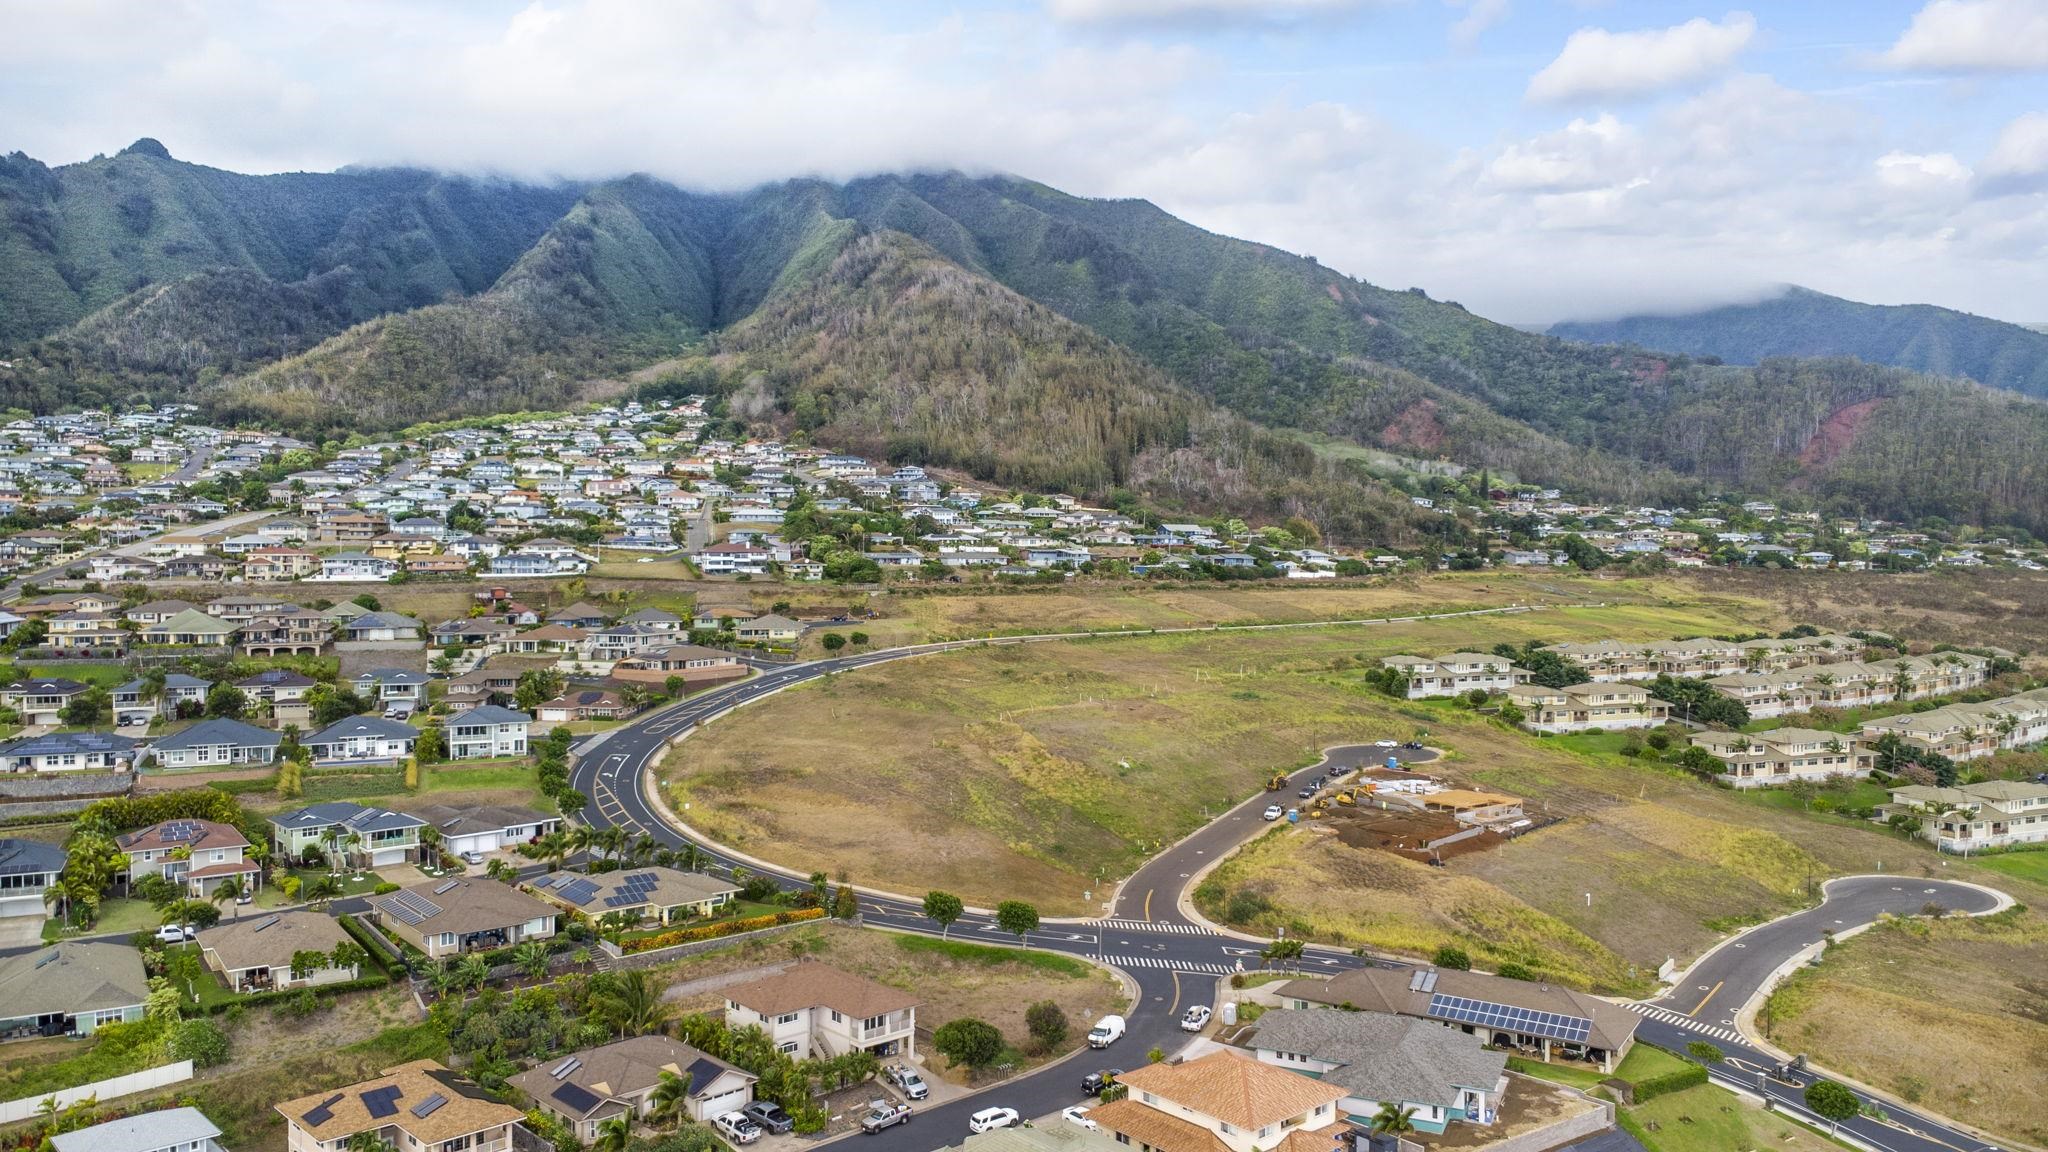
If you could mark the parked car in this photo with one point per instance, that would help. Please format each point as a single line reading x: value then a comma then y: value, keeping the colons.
x: 176, y: 933
x: 1107, y: 1031
x: 906, y: 1079
x: 735, y: 1127
x: 472, y: 857
x: 1385, y: 744
x: 1095, y: 1082
x: 245, y: 896
x: 884, y: 1114
x: 990, y: 1119
x: 1078, y: 1114
x: 1274, y: 812
x: 1196, y: 1019
x: 769, y: 1115
x: 1307, y: 793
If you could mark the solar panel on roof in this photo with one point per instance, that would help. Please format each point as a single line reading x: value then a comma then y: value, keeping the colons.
x: 381, y: 1102
x: 577, y: 891
x: 641, y: 878
x: 412, y: 908
x: 566, y: 1067
x: 620, y: 900
x: 323, y: 1111
x: 425, y: 1108
x: 446, y: 885
x: 264, y: 923
x: 574, y: 1096
x: 1527, y: 1021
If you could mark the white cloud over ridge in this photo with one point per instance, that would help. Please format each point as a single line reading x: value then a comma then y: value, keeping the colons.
x: 1974, y: 36
x: 1598, y: 64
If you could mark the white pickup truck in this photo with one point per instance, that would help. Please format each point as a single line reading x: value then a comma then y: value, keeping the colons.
x: 1106, y: 1032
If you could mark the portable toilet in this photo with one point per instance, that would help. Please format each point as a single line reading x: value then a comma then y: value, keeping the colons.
x: 1229, y: 1013
x: 1393, y: 763
x: 1294, y: 815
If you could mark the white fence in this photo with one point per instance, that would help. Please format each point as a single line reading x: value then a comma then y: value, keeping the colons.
x: 143, y: 1081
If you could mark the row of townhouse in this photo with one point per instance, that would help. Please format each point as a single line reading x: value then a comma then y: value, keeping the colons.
x: 1590, y: 707
x: 1854, y: 684
x: 1607, y: 661
x: 1456, y: 673
x: 1974, y: 817
x: 1968, y: 731
x: 482, y: 732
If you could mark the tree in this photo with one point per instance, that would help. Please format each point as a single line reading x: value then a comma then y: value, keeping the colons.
x: 845, y: 904
x: 668, y: 1100
x: 348, y: 954
x: 226, y: 701
x: 1832, y: 1102
x: 200, y: 1041
x: 969, y: 1042
x: 368, y: 601
x: 1452, y: 956
x: 532, y: 958
x: 613, y: 1134
x: 942, y: 908
x: 537, y: 687
x: 1017, y: 918
x: 1046, y: 1023
x: 87, y: 709
x: 1392, y: 1120
x: 833, y: 641
x: 227, y: 890
x: 860, y: 639
x: 632, y: 1003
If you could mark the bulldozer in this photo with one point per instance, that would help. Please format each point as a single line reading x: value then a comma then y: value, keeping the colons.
x: 1276, y: 782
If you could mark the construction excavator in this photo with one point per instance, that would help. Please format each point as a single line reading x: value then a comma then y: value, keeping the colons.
x: 1276, y: 782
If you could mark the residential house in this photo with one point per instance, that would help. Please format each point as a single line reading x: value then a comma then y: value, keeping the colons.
x: 71, y: 989
x: 85, y: 632
x: 68, y: 752
x: 338, y: 827
x: 487, y: 730
x: 1545, y: 1021
x: 454, y: 916
x: 578, y: 615
x: 1782, y: 755
x: 42, y: 701
x: 255, y: 954
x: 1439, y: 1074
x: 382, y: 628
x: 197, y: 855
x: 279, y: 563
x: 417, y: 1107
x: 770, y: 629
x: 1587, y: 707
x: 191, y: 628
x: 813, y: 1009
x: 362, y: 739
x: 346, y: 567
x: 216, y: 742
x: 280, y: 692
x: 485, y: 828
x: 584, y: 1089
x: 289, y: 631
x: 1221, y: 1102
x: 655, y: 895
x: 28, y: 868
x: 156, y: 611
x: 393, y: 686
x: 134, y: 703
x: 184, y: 1129
x: 1456, y: 673
x: 237, y: 609
x: 1973, y: 817
x: 696, y: 664
x: 583, y: 704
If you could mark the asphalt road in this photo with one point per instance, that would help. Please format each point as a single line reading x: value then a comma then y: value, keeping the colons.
x: 1175, y: 962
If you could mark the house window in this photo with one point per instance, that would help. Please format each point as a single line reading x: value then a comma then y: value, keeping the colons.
x: 789, y: 1047
x: 836, y: 1017
x: 786, y: 1018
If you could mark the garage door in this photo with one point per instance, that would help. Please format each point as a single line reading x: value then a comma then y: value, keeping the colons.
x: 384, y: 857
x: 716, y: 1106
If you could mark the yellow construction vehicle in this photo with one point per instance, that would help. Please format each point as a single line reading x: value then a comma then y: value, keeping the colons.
x: 1276, y: 782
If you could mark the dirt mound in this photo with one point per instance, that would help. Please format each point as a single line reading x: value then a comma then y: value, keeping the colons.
x: 1837, y: 433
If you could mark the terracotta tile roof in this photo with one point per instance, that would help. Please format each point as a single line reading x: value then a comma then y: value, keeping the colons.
x: 813, y: 985
x: 1145, y: 1124
x: 1234, y: 1089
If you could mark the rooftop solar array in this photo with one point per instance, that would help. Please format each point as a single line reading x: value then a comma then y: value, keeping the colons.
x: 324, y: 1111
x: 1554, y: 1025
x: 264, y: 923
x: 381, y: 1102
x: 446, y: 886
x: 184, y: 830
x: 566, y: 1067
x: 412, y: 908
x: 425, y: 1108
x: 578, y: 891
x: 576, y: 1097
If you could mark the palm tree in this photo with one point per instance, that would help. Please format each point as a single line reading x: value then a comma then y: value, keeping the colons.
x: 667, y: 1100
x: 473, y: 971
x: 613, y: 1134
x: 554, y: 848
x: 634, y: 1005
x: 581, y: 838
x: 643, y: 849
x: 430, y: 843
x: 691, y: 858
x: 613, y: 840
x: 369, y: 1141
x: 532, y: 959
x: 226, y: 890
x: 1392, y: 1120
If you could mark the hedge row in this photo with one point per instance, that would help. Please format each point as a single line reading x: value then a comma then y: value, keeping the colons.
x: 1690, y: 1076
x: 722, y: 928
x: 362, y: 984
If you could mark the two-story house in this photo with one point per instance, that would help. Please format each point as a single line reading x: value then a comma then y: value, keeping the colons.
x: 1972, y: 817
x: 1224, y: 1099
x: 1782, y: 755
x: 42, y: 701
x: 1587, y: 707
x: 487, y: 730
x: 184, y: 1129
x: 389, y: 686
x: 196, y: 855
x: 416, y: 1107
x: 586, y: 1088
x: 28, y: 868
x: 1456, y: 673
x: 814, y: 1009
x: 279, y: 563
x: 281, y: 693
x: 136, y: 703
x: 378, y: 836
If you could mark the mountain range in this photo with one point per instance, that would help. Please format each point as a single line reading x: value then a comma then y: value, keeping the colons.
x: 1801, y: 322
x: 990, y: 324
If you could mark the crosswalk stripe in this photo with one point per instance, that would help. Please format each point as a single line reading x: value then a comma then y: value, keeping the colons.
x: 1197, y: 967
x: 1148, y: 926
x: 1680, y: 1020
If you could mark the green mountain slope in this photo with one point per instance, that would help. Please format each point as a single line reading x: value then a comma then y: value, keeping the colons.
x: 1801, y: 322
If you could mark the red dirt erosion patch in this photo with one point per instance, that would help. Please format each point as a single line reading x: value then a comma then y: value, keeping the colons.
x: 1837, y: 433
x: 1416, y: 427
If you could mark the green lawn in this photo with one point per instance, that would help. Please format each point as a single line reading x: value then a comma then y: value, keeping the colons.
x: 2022, y: 865
x: 1645, y: 1062
x: 1842, y: 794
x: 120, y: 914
x: 1571, y: 1075
x: 1711, y: 1119
x: 475, y: 775
x: 104, y: 675
x: 989, y: 955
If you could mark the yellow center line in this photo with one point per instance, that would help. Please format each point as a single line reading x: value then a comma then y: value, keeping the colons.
x: 1703, y: 1000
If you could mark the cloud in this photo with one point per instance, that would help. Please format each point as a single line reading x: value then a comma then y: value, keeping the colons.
x: 1479, y: 16
x: 1974, y: 36
x: 2018, y: 160
x: 1921, y: 171
x: 1173, y: 11
x: 1597, y: 63
x: 1585, y: 154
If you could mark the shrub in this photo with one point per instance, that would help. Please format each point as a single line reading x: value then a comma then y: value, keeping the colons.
x: 1678, y: 1080
x: 200, y: 1041
x: 1704, y: 1052
x: 1516, y: 971
x: 721, y: 928
x: 1046, y: 1023
x: 974, y: 1043
x: 384, y: 888
x: 1245, y: 906
x: 1452, y: 956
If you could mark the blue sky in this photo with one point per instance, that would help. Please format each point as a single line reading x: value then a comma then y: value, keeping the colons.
x: 1533, y: 159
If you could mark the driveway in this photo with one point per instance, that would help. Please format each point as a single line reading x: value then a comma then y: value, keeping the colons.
x: 20, y: 932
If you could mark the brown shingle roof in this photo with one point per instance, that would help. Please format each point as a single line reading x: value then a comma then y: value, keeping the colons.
x: 239, y: 944
x: 814, y: 985
x: 1234, y: 1089
x: 340, y: 1113
x: 1147, y: 1125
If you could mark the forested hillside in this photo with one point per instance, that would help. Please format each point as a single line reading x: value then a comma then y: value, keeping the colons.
x: 991, y: 323
x: 1801, y: 322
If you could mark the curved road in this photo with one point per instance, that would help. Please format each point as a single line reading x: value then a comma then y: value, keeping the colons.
x: 1173, y: 960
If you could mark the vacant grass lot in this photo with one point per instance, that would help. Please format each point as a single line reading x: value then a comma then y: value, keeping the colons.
x: 1952, y: 1014
x: 1711, y: 1119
